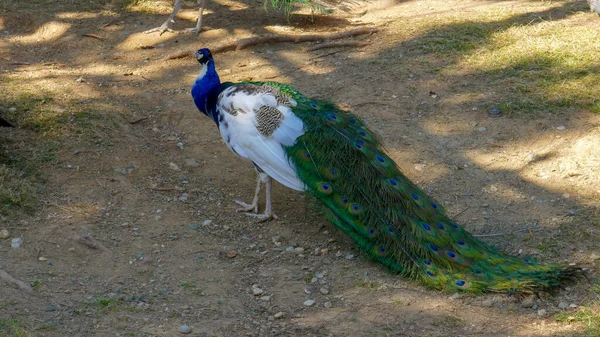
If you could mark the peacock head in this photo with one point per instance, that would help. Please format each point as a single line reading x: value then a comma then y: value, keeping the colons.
x: 203, y: 56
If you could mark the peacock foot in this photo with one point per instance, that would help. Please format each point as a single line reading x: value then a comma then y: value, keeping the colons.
x: 163, y: 28
x: 266, y: 216
x: 247, y: 207
x: 194, y: 30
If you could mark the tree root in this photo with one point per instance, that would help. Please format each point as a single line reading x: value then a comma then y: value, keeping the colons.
x: 18, y: 283
x: 272, y: 38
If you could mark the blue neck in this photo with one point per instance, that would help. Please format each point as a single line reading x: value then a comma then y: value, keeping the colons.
x: 206, y: 89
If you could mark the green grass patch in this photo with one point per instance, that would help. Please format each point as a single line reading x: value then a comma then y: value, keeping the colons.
x: 588, y: 317
x: 13, y: 328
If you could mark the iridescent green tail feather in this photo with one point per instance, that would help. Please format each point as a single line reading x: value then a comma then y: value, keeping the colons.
x: 344, y: 167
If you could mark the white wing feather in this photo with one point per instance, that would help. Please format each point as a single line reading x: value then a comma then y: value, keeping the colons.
x: 242, y: 136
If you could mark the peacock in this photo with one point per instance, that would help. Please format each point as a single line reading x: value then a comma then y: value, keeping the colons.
x: 314, y: 146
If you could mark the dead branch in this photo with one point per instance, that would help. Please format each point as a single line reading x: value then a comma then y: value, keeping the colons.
x: 90, y: 242
x: 272, y: 38
x: 338, y: 44
x: 94, y: 36
x: 19, y: 284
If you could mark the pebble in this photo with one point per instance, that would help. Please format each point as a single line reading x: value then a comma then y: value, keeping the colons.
x: 183, y: 197
x: 495, y: 112
x: 309, y: 303
x: 487, y: 303
x: 594, y: 256
x: 350, y: 257
x: 174, y: 167
x: 184, y: 329
x: 324, y: 291
x: 16, y: 242
x: 473, y: 124
x: 279, y: 315
x: 206, y: 222
x: 327, y: 305
x: 256, y: 291
x: 299, y: 250
x: 573, y: 305
x: 12, y: 109
x: 191, y: 162
x: 231, y: 254
x: 527, y: 303
x: 454, y: 296
x: 481, y: 129
x: 41, y: 258
x: 563, y: 305
x: 306, y: 291
x: 49, y: 308
x: 265, y: 298
x: 4, y: 234
x: 542, y: 312
x: 561, y: 128
x: 324, y: 251
x: 193, y: 226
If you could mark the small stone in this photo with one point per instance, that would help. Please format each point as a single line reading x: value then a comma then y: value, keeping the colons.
x: 528, y: 302
x: 279, y: 315
x: 561, y: 128
x: 535, y: 306
x: 339, y: 254
x: 494, y: 112
x: 265, y: 298
x: 481, y: 129
x: 306, y: 291
x: 183, y: 197
x: 563, y: 305
x: 324, y: 291
x: 324, y: 251
x: 573, y: 305
x: 12, y: 109
x: 473, y: 124
x: 193, y: 226
x: 231, y: 255
x: 350, y: 257
x: 49, y: 308
x: 41, y: 258
x: 16, y: 242
x: 206, y: 222
x: 174, y: 167
x: 487, y: 303
x: 191, y: 162
x: 299, y: 250
x: 542, y: 313
x: 184, y: 329
x: 256, y: 291
x: 594, y: 256
x: 4, y: 234
x: 327, y: 305
x: 309, y: 303
x: 454, y: 296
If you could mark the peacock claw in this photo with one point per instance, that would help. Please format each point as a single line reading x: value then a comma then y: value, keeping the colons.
x: 247, y: 207
x: 161, y: 30
x: 264, y: 216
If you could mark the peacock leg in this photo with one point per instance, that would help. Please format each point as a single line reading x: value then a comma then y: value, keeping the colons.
x: 165, y: 26
x: 196, y: 30
x: 253, y: 207
x: 268, y: 214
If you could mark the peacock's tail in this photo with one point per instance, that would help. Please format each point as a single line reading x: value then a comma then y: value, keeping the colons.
x: 343, y: 166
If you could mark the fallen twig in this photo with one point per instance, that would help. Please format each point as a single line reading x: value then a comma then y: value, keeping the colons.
x: 338, y: 44
x: 94, y: 36
x: 18, y: 283
x: 137, y: 120
x: 90, y: 242
x: 270, y: 38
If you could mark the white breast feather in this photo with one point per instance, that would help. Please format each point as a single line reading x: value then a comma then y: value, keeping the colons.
x: 241, y: 134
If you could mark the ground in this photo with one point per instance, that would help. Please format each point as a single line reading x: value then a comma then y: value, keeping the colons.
x: 110, y: 145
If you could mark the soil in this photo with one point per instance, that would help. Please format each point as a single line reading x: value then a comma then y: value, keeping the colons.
x: 151, y: 180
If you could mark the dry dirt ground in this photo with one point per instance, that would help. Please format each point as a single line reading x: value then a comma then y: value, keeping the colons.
x: 158, y: 193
